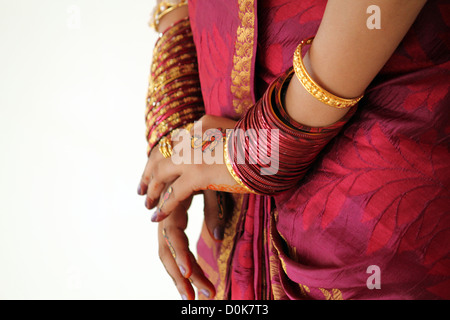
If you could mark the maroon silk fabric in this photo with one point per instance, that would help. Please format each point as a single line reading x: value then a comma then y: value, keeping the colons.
x: 378, y: 195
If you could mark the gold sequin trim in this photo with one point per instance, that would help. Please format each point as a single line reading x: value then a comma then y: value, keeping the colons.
x: 243, y: 56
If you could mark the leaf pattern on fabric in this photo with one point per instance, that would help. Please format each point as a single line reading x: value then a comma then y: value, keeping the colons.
x: 401, y: 180
x: 403, y: 190
x: 213, y: 69
x: 425, y: 96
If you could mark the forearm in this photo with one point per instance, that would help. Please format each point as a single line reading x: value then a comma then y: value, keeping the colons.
x: 343, y: 59
x: 172, y: 17
x: 345, y: 55
x: 174, y: 96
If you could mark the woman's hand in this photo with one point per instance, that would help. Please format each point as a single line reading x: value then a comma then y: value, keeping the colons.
x: 174, y: 252
x: 173, y: 244
x: 196, y: 164
x: 176, y: 257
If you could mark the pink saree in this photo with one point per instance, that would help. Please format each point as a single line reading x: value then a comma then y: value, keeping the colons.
x: 371, y: 218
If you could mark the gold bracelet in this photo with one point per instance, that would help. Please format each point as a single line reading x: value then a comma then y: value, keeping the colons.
x: 174, y: 74
x: 178, y: 27
x: 313, y: 88
x: 230, y: 167
x: 166, y: 143
x: 162, y: 9
x: 172, y: 122
x: 173, y: 43
x: 190, y: 104
x: 166, y: 147
x: 158, y: 70
x: 162, y: 97
x: 173, y: 119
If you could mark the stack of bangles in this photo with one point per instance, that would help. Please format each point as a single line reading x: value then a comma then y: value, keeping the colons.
x: 174, y: 97
x: 162, y: 9
x: 268, y: 163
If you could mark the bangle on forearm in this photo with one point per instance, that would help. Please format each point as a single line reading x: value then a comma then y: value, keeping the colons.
x: 177, y: 59
x: 174, y: 96
x: 162, y: 9
x: 172, y: 100
x: 179, y: 28
x: 292, y: 149
x: 229, y: 165
x: 167, y: 128
x: 313, y: 87
x: 182, y: 111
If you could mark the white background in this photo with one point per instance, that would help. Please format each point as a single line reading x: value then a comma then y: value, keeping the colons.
x: 73, y: 80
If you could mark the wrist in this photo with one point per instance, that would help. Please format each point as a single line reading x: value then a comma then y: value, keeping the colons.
x: 166, y: 13
x: 302, y: 107
x: 172, y: 17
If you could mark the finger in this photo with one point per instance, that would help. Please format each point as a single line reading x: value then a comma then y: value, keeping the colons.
x: 147, y: 174
x: 178, y: 244
x: 180, y: 190
x: 158, y: 215
x: 176, y: 239
x: 216, y: 211
x: 163, y: 172
x: 166, y: 254
x: 200, y: 281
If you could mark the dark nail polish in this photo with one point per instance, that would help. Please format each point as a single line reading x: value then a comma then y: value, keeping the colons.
x: 155, y: 216
x: 182, y: 270
x: 218, y: 233
x: 205, y: 292
x: 153, y: 204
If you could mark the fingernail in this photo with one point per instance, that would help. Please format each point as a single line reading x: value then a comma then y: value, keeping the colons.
x: 149, y: 203
x: 158, y: 215
x: 155, y: 216
x: 184, y: 297
x: 139, y: 190
x: 205, y: 292
x: 218, y: 233
x: 182, y: 270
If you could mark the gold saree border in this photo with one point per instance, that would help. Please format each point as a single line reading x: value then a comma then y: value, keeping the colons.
x: 241, y: 73
x: 241, y: 90
x: 227, y: 246
x: 305, y: 291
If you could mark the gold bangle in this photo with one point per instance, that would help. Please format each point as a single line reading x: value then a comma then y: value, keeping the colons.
x: 169, y: 46
x: 178, y: 27
x: 176, y: 74
x: 157, y: 71
x: 173, y: 95
x: 159, y: 57
x: 230, y: 167
x: 167, y: 150
x: 162, y: 9
x: 172, y: 123
x: 190, y: 104
x: 166, y: 147
x: 313, y: 88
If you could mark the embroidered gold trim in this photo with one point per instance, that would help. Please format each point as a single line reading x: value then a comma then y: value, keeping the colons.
x: 227, y: 246
x: 305, y: 291
x: 243, y: 55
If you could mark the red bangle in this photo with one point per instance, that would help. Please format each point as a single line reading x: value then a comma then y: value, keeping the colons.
x: 296, y: 146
